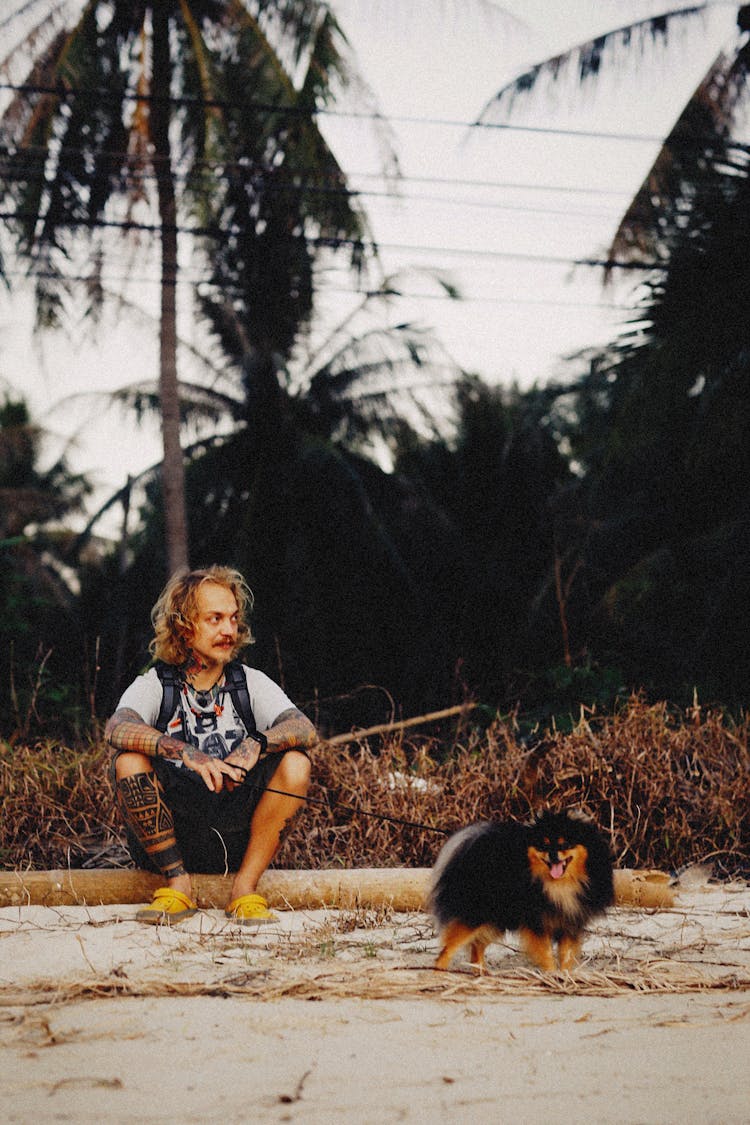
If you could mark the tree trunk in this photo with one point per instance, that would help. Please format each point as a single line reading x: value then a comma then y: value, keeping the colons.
x: 173, y: 468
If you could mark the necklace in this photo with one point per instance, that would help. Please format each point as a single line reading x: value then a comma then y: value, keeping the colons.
x: 207, y: 699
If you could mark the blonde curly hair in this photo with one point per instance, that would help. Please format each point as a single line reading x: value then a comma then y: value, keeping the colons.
x: 176, y: 609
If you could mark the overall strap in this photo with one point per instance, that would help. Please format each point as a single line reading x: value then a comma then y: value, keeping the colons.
x: 236, y: 684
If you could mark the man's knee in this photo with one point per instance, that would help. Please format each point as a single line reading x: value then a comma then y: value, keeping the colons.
x: 128, y: 763
x: 294, y: 770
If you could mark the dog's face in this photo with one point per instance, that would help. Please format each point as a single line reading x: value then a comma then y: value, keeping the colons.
x: 556, y: 852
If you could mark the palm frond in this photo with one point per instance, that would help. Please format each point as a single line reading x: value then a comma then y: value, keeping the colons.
x: 699, y: 134
x: 583, y: 63
x: 141, y: 480
x: 382, y: 381
x: 198, y: 403
x: 279, y: 149
x: 344, y: 331
x: 208, y: 123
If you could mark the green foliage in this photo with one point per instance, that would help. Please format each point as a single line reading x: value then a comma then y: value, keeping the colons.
x: 661, y: 428
x: 562, y: 544
x: 558, y: 699
x: 418, y: 581
x: 340, y: 556
x: 90, y: 145
x: 39, y: 630
x: 494, y: 488
x: 146, y: 116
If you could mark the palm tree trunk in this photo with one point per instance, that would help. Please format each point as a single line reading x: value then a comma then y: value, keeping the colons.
x: 173, y: 468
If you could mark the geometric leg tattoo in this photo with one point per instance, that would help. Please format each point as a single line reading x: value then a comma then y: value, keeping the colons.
x: 141, y: 801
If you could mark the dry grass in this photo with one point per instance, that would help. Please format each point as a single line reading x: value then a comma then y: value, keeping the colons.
x: 54, y: 801
x: 670, y: 788
x: 382, y: 984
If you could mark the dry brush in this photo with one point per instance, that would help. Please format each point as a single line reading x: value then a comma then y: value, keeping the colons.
x: 671, y: 788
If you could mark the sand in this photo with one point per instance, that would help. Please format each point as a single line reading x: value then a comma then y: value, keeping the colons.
x: 336, y: 1016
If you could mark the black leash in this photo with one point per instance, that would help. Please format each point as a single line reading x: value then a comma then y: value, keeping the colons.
x: 332, y: 802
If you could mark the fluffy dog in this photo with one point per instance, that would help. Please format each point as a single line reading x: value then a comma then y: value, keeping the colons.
x: 546, y: 880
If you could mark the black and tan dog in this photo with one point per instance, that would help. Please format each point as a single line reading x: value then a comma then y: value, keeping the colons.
x: 546, y: 880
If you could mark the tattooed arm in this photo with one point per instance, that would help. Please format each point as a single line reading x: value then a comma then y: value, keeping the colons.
x: 290, y: 730
x: 126, y: 732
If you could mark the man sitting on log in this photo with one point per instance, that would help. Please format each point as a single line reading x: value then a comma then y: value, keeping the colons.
x: 196, y: 740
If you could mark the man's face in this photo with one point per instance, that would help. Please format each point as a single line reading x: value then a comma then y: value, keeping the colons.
x: 214, y: 634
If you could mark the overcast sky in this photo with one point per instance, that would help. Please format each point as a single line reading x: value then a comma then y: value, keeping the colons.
x: 503, y: 212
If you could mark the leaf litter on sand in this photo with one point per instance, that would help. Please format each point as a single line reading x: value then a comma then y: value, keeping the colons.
x: 701, y: 945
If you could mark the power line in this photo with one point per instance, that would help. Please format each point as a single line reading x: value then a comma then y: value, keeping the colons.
x: 513, y: 185
x: 541, y: 302
x: 336, y: 243
x: 130, y: 180
x: 200, y: 279
x: 300, y: 178
x: 66, y: 92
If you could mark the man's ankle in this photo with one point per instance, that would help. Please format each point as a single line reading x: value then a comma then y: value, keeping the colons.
x: 181, y: 883
x: 243, y: 887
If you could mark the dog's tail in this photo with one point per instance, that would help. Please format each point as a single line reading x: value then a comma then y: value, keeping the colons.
x: 449, y: 858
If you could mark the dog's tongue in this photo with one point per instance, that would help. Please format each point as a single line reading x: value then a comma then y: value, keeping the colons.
x: 556, y: 870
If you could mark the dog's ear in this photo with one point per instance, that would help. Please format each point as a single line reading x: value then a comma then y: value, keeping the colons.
x: 537, y: 815
x: 578, y: 814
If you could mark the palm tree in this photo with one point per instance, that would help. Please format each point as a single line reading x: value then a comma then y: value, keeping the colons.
x: 175, y: 118
x: 660, y: 431
x: 655, y: 528
x: 30, y: 496
x: 704, y: 123
x: 36, y: 554
x: 287, y: 460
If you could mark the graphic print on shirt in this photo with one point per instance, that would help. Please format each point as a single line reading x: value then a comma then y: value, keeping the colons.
x: 216, y: 731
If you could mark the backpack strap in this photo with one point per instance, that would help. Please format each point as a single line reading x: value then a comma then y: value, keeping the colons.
x: 170, y: 684
x: 236, y: 682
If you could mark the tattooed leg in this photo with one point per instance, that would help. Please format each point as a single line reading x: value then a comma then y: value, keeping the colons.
x: 141, y: 802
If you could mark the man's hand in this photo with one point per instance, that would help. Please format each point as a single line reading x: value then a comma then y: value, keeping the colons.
x: 245, y: 756
x: 214, y: 771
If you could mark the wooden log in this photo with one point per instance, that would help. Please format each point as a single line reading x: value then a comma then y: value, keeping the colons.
x: 649, y: 890
x: 398, y: 888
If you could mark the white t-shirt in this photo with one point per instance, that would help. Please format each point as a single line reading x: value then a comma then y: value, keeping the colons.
x: 215, y: 730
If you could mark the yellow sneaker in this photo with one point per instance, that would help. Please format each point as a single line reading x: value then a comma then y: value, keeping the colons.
x: 250, y: 910
x: 167, y: 907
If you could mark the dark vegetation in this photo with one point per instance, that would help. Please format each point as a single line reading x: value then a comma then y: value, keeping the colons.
x: 565, y: 546
x: 566, y: 550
